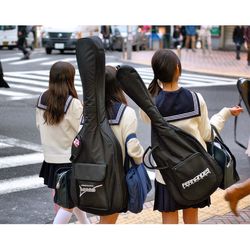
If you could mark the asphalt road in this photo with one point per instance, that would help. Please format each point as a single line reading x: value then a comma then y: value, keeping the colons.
x: 17, y: 126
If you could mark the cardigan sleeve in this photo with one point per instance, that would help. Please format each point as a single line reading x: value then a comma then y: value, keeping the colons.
x: 74, y: 114
x: 129, y: 126
x: 218, y: 120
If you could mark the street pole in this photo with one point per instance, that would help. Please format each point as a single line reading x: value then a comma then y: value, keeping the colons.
x: 129, y: 43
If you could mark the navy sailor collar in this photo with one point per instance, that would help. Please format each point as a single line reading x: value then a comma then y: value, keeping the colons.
x: 116, y: 115
x: 178, y: 105
x: 41, y: 103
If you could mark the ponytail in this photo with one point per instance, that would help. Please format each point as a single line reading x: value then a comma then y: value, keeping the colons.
x: 154, y: 87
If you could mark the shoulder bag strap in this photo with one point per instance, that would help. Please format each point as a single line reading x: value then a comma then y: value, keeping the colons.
x: 128, y: 159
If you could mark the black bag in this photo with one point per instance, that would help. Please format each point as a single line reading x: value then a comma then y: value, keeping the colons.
x: 190, y: 173
x: 138, y: 182
x: 226, y: 160
x: 243, y: 86
x: 62, y: 192
x: 98, y: 184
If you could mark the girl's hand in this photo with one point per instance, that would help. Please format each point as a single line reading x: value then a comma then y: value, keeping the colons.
x: 236, y: 110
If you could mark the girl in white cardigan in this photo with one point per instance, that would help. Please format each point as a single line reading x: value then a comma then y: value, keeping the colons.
x: 186, y: 110
x: 58, y: 115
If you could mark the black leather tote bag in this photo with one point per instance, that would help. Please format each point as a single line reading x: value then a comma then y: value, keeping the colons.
x: 224, y: 157
x: 190, y: 173
x: 98, y: 184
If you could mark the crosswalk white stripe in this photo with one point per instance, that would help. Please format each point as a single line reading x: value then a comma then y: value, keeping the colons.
x: 10, y: 59
x: 8, y: 92
x: 63, y: 60
x: 20, y: 160
x: 20, y: 143
x: 4, y: 145
x: 29, y: 61
x: 20, y: 184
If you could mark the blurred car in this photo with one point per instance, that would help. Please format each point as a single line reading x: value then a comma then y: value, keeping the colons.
x: 65, y: 37
x: 120, y: 36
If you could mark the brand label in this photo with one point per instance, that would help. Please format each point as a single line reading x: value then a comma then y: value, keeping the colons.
x: 197, y: 178
x: 88, y: 189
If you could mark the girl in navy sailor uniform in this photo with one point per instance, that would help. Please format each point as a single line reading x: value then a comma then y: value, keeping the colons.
x: 186, y: 110
x: 123, y: 121
x: 58, y: 115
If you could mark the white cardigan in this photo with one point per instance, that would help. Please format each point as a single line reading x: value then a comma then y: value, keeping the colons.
x: 57, y: 139
x: 198, y: 126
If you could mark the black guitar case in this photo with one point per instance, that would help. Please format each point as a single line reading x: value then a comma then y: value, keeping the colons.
x: 98, y: 180
x: 190, y: 173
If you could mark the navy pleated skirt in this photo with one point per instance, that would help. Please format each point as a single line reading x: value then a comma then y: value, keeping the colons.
x: 48, y: 172
x: 164, y: 201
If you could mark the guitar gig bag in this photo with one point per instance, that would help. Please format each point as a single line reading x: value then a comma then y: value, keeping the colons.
x: 98, y: 183
x: 190, y: 173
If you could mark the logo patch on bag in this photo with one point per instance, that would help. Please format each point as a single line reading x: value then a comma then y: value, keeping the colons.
x: 76, y: 143
x: 197, y: 178
x: 88, y: 189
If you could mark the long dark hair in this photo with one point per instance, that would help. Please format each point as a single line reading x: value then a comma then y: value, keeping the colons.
x: 61, y: 85
x: 113, y: 90
x: 164, y: 63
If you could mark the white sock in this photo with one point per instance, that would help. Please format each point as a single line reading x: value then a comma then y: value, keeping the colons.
x: 248, y: 148
x: 62, y: 216
x: 81, y: 216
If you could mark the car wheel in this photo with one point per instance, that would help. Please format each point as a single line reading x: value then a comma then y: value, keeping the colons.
x: 48, y: 51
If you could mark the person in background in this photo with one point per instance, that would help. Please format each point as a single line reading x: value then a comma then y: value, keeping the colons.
x: 238, y: 39
x: 3, y: 83
x: 123, y: 122
x: 22, y: 42
x: 177, y: 37
x: 190, y: 36
x: 106, y: 32
x: 247, y: 42
x: 186, y: 110
x: 205, y: 37
x: 58, y: 115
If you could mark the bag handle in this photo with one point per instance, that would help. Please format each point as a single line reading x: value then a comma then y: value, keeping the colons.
x: 235, y: 128
x: 152, y: 166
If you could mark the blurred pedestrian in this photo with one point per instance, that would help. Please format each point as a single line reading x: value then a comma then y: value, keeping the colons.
x: 238, y: 39
x: 22, y: 42
x: 205, y: 38
x: 188, y: 111
x: 106, y: 32
x: 58, y: 115
x: 247, y: 43
x: 124, y: 123
x: 3, y: 83
x: 190, y: 36
x: 177, y: 37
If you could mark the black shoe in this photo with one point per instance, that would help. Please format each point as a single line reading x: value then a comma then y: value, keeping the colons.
x: 238, y: 57
x: 3, y: 83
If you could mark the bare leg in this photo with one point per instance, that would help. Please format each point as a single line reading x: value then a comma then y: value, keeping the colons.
x: 190, y: 216
x: 235, y: 193
x: 170, y: 217
x: 109, y: 219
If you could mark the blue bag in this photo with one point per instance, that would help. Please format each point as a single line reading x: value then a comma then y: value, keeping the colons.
x: 138, y: 182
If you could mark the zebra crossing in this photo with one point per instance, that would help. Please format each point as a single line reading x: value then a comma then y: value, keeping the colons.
x: 22, y: 183
x: 29, y: 84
